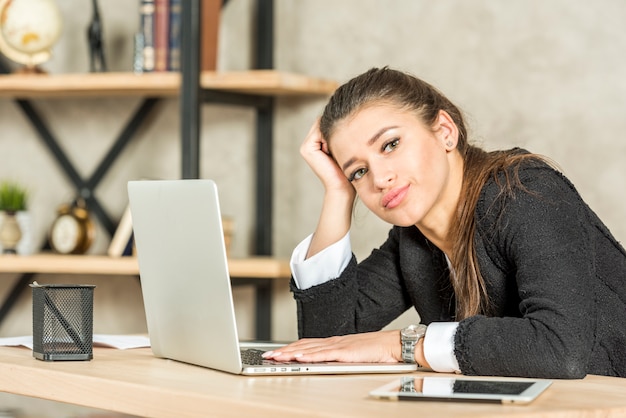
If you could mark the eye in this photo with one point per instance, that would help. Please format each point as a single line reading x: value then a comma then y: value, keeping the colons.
x: 357, y: 174
x: 391, y: 145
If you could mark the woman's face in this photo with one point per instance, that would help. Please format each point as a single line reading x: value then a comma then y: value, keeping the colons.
x: 399, y: 167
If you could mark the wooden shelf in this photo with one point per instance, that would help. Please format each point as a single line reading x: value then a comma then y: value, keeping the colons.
x: 256, y: 267
x: 167, y: 84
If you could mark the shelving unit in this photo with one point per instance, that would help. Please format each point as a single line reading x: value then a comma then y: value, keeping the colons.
x: 253, y: 267
x: 259, y: 272
x: 254, y: 82
x: 193, y: 95
x: 255, y: 88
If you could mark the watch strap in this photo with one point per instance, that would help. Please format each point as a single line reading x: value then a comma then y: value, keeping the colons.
x: 408, y: 351
x: 409, y: 343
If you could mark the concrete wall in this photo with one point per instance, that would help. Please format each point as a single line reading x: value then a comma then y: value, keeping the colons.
x: 546, y: 75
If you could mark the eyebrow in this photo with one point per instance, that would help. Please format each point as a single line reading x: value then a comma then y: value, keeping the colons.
x: 371, y: 141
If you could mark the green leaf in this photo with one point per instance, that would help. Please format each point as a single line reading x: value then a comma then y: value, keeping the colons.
x: 13, y: 197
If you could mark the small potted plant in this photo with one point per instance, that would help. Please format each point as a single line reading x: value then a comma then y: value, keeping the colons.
x: 13, y: 199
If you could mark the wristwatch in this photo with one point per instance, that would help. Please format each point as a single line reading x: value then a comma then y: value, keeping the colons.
x: 409, y: 337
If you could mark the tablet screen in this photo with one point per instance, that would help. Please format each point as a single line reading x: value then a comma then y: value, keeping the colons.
x: 499, y: 390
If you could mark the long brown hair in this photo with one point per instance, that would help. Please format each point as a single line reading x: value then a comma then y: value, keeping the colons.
x: 391, y: 86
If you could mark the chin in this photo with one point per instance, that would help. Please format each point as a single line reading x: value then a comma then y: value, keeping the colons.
x: 403, y: 224
x: 400, y: 222
x: 396, y: 217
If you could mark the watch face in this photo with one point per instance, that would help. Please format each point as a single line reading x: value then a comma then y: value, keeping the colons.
x: 413, y: 331
x: 410, y: 333
x: 65, y: 234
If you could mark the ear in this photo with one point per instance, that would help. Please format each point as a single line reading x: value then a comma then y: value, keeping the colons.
x: 446, y: 130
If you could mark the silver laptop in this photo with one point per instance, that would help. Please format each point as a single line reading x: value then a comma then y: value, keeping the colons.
x: 186, y: 285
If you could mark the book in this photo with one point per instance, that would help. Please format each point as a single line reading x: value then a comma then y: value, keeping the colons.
x: 146, y: 27
x: 209, y: 30
x: 173, y: 55
x: 161, y: 30
x: 161, y: 34
x: 122, y: 241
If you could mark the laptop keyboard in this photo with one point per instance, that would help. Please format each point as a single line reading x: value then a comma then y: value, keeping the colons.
x: 252, y: 356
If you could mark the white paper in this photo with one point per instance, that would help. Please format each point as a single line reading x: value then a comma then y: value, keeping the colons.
x: 121, y: 342
x: 26, y: 341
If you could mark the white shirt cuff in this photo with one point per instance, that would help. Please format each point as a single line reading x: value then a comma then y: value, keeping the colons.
x: 324, y: 266
x: 439, y: 347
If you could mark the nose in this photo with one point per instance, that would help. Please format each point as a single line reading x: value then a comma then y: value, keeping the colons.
x: 383, y: 176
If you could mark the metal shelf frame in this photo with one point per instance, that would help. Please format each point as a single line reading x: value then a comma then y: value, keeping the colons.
x: 85, y: 187
x: 193, y: 95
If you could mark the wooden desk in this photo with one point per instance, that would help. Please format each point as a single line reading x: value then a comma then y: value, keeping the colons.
x: 135, y: 382
x: 259, y: 272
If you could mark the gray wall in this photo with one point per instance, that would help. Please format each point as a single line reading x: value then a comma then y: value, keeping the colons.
x: 546, y: 75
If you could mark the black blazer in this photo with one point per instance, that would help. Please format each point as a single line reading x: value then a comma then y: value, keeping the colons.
x: 555, y: 276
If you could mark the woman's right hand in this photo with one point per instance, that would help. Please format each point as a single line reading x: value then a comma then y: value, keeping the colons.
x: 315, y: 152
x: 334, y: 222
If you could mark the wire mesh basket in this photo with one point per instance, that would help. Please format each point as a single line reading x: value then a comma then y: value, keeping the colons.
x: 62, y: 322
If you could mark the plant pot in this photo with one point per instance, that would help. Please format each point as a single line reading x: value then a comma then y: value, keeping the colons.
x: 10, y: 233
x: 27, y: 244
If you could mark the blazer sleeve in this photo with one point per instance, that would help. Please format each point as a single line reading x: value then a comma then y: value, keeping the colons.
x: 365, y: 297
x: 541, y: 237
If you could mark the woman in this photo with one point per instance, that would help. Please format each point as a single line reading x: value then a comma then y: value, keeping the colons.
x: 510, y: 270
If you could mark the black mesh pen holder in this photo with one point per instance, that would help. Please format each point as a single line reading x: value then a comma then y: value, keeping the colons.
x: 62, y: 322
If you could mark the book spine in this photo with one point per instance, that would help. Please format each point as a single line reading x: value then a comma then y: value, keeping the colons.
x: 174, y: 36
x: 209, y: 27
x: 161, y: 34
x: 146, y: 26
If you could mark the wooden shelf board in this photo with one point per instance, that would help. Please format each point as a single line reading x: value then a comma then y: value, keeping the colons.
x: 166, y: 84
x: 255, y: 267
x: 267, y: 82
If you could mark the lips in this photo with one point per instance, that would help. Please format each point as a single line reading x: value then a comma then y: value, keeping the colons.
x: 394, y: 197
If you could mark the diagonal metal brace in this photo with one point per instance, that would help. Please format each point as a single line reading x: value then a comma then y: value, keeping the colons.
x: 85, y: 188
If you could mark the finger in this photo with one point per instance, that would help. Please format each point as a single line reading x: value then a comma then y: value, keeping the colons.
x: 314, y: 131
x: 325, y: 148
x: 300, y: 345
x: 303, y: 356
x: 297, y: 349
x: 310, y: 353
x: 313, y: 139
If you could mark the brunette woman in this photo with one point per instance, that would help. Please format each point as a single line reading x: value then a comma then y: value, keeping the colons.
x: 510, y: 271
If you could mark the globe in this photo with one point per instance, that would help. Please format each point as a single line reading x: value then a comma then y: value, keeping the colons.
x: 28, y: 30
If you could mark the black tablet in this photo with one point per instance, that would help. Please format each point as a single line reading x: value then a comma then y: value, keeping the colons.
x: 463, y: 389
